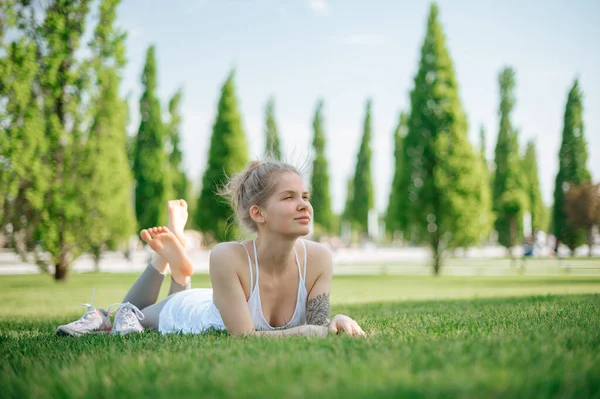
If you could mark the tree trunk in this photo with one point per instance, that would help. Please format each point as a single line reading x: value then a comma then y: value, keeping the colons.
x: 437, y: 257
x: 513, y: 232
x: 60, y: 273
x: 436, y: 264
x: 97, y: 253
x: 61, y: 267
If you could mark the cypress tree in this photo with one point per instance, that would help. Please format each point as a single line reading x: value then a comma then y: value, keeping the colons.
x: 363, y: 198
x: 228, y: 154
x: 482, y: 142
x: 107, y: 172
x: 347, y: 214
x: 442, y: 177
x: 178, y: 176
x: 572, y: 169
x: 320, y: 199
x: 509, y: 197
x: 272, y: 143
x: 395, y: 215
x: 486, y: 217
x: 539, y: 220
x: 150, y: 164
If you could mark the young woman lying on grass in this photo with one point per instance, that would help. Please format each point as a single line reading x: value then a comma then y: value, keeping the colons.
x: 274, y: 285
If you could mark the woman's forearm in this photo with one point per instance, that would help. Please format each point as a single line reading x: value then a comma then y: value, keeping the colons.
x: 300, y: 331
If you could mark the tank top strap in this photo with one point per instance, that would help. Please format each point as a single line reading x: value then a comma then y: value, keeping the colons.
x: 304, y: 246
x: 249, y: 267
x: 255, y: 260
x: 298, y: 263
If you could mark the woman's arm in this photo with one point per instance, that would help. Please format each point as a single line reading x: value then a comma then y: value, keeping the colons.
x: 228, y: 293
x: 318, y: 305
x: 300, y: 331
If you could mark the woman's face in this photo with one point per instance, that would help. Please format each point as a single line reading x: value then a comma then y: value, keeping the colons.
x: 288, y: 210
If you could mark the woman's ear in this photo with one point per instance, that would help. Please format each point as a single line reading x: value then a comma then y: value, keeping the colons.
x: 257, y: 214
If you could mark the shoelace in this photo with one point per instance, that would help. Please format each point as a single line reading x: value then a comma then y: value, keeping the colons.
x: 90, y: 308
x: 120, y: 306
x: 90, y: 311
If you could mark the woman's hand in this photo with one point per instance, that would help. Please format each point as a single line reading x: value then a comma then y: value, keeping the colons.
x: 347, y: 325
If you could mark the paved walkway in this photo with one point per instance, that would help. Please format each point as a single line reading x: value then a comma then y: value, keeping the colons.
x: 409, y: 261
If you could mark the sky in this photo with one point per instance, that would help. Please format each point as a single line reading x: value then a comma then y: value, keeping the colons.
x: 348, y: 51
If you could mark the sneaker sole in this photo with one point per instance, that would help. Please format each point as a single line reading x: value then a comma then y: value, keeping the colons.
x: 125, y: 332
x: 63, y: 333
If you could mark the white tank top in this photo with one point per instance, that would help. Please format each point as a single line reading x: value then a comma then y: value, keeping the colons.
x: 193, y: 311
x: 254, y: 303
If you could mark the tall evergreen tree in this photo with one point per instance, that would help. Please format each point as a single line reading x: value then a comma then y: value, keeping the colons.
x: 396, y: 215
x: 486, y: 216
x: 272, y: 143
x: 320, y: 199
x: 347, y: 213
x: 442, y: 175
x: 572, y: 168
x: 106, y: 167
x: 63, y: 82
x: 178, y: 176
x: 363, y: 198
x: 509, y: 197
x: 482, y: 150
x: 539, y: 220
x: 150, y: 166
x: 228, y: 154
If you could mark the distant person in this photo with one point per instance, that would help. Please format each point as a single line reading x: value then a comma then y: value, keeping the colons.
x: 270, y: 199
x: 529, y: 246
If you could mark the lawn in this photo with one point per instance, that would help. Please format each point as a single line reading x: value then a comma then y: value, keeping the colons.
x: 428, y: 337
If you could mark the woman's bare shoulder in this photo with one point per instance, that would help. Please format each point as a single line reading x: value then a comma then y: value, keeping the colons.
x: 318, y: 255
x: 226, y: 255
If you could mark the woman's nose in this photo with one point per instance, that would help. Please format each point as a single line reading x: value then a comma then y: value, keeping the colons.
x: 302, y: 204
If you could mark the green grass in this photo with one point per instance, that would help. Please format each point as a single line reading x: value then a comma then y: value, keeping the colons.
x: 424, y: 341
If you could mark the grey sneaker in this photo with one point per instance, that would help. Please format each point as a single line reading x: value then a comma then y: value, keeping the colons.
x: 127, y: 319
x: 93, y: 321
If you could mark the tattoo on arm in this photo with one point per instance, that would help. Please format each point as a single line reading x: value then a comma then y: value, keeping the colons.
x: 317, y: 310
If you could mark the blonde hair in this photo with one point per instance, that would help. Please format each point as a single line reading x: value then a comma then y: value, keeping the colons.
x: 253, y: 186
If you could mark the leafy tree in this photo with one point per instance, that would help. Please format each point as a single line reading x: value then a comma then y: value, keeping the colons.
x: 178, y: 176
x: 363, y: 198
x: 396, y: 212
x: 509, y: 197
x: 273, y: 145
x: 151, y: 168
x: 582, y: 206
x: 442, y: 174
x: 539, y: 219
x: 320, y: 198
x: 228, y: 154
x: 572, y: 169
x: 105, y: 168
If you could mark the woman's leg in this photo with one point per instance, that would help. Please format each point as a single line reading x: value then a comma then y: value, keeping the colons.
x: 144, y: 292
x: 152, y: 313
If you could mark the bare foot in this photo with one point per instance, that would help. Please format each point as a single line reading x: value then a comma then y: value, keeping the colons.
x: 178, y: 215
x: 166, y: 244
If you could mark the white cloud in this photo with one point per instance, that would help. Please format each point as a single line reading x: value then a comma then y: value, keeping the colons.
x: 320, y: 7
x: 369, y: 39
